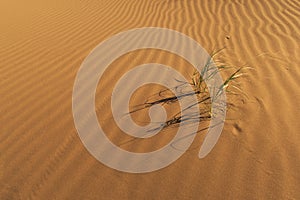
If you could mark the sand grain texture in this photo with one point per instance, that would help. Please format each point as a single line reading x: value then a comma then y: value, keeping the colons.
x: 42, y: 45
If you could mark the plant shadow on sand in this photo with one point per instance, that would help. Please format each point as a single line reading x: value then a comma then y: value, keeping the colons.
x: 205, y: 98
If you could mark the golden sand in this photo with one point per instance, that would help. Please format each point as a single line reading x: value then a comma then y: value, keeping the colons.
x: 42, y: 45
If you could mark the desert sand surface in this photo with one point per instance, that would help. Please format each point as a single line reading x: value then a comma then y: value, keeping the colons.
x: 42, y: 46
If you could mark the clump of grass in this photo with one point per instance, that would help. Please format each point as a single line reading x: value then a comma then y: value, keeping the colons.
x: 200, y: 89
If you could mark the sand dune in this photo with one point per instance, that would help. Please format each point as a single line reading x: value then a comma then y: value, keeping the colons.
x: 42, y: 45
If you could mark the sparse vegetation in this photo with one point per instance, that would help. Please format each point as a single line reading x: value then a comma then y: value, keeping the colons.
x: 198, y: 82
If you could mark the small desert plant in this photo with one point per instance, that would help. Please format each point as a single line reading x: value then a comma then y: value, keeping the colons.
x: 200, y: 89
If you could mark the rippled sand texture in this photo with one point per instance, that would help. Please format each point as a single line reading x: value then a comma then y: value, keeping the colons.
x: 42, y: 45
